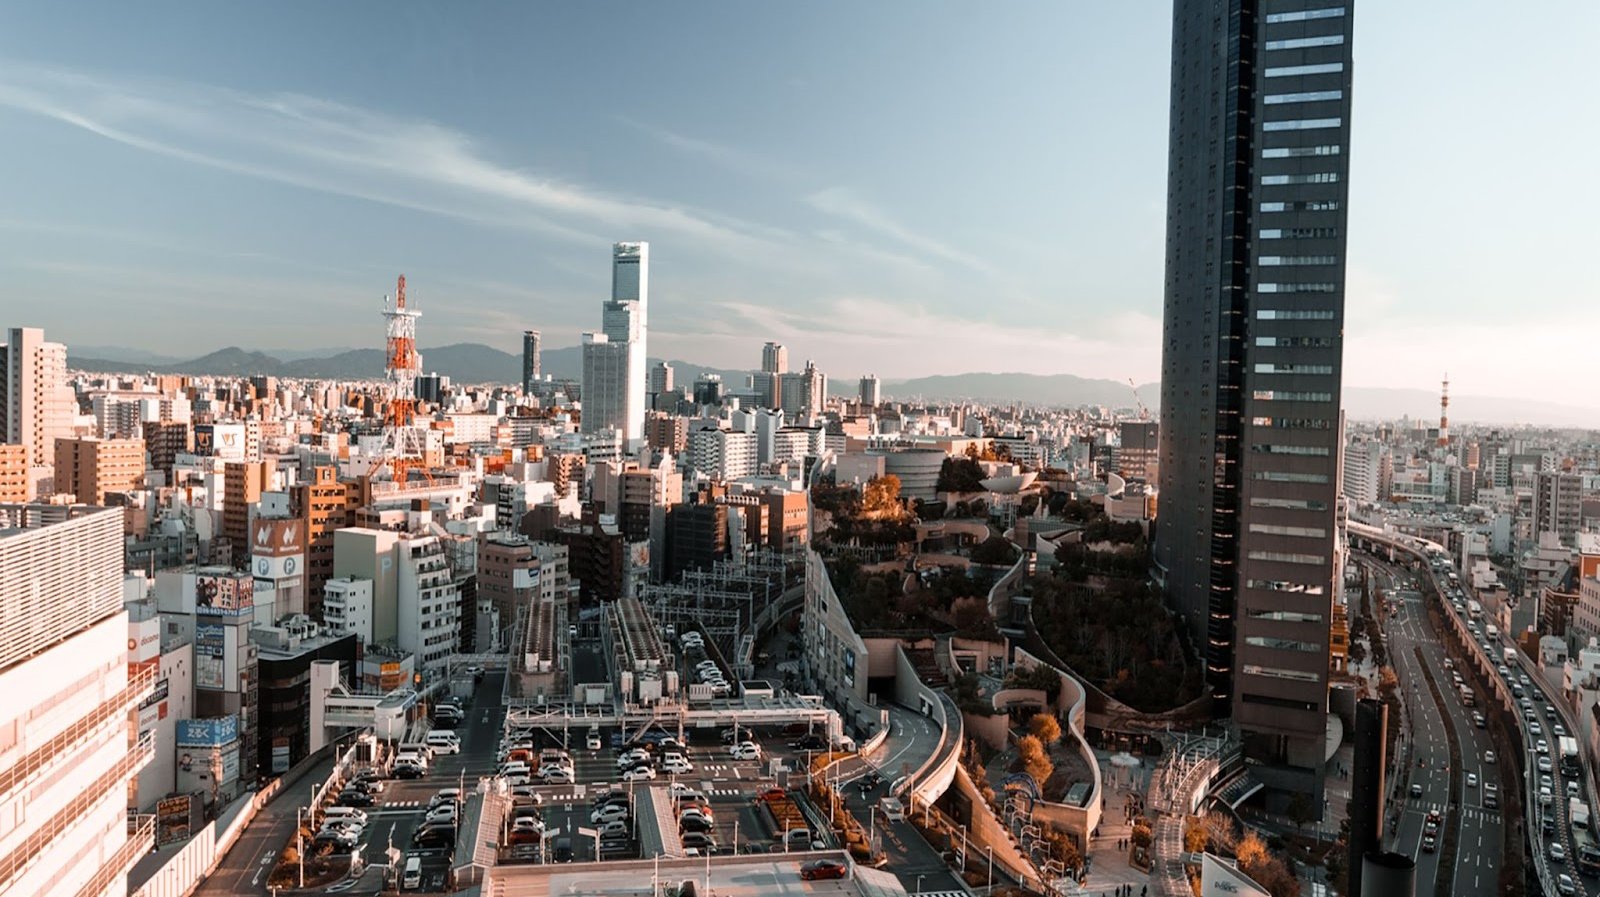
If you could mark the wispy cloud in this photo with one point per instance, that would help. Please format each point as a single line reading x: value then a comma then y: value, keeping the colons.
x: 327, y: 146
x: 843, y: 203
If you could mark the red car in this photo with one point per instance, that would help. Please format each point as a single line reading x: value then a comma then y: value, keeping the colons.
x: 817, y: 870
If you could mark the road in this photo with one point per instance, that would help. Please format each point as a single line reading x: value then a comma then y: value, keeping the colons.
x: 1479, y: 836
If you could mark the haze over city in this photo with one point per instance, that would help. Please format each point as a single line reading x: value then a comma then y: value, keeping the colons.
x: 931, y: 187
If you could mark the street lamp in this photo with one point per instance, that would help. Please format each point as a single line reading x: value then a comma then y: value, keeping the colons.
x: 990, y: 888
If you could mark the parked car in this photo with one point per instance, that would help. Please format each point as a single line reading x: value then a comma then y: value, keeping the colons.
x: 745, y: 750
x: 675, y: 764
x: 354, y: 799
x: 641, y: 772
x: 556, y: 775
x: 695, y: 824
x: 614, y: 827
x: 609, y: 812
x: 699, y: 840
x: 818, y: 870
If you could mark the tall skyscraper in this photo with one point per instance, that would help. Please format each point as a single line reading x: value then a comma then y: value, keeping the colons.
x: 661, y: 381
x: 66, y: 692
x: 615, y: 358
x: 774, y: 359
x: 869, y: 392
x: 530, y: 360
x: 1257, y: 183
x: 36, y: 402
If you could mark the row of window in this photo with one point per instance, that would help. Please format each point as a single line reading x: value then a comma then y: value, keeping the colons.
x: 1299, y: 233
x: 1283, y: 616
x: 1297, y: 288
x: 1308, y: 96
x: 1290, y: 71
x: 1315, y: 177
x: 1279, y: 476
x: 1297, y: 342
x: 1305, y: 15
x: 1301, y: 124
x: 1282, y: 644
x: 1287, y: 260
x: 1288, y: 557
x: 1304, y: 205
x: 1296, y: 152
x: 1253, y: 669
x: 1300, y: 43
x: 1272, y: 529
x: 1278, y: 585
x: 1292, y: 423
x: 1294, y: 314
x: 1286, y: 368
x: 1288, y: 504
x: 1304, y: 451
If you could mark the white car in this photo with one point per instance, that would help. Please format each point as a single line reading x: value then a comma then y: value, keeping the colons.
x: 1558, y: 854
x: 1488, y: 756
x: 593, y: 741
x: 745, y: 750
x: 442, y: 813
x: 637, y: 755
x: 556, y: 775
x: 639, y: 772
x: 1542, y: 747
x: 609, y: 812
x: 613, y: 828
x: 676, y: 765
x: 1472, y: 780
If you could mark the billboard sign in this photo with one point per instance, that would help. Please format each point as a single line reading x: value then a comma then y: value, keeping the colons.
x: 277, y: 537
x: 172, y: 819
x: 280, y: 755
x: 212, y: 732
x: 210, y: 640
x: 224, y: 594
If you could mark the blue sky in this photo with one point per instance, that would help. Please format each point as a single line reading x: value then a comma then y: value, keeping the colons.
x: 899, y: 187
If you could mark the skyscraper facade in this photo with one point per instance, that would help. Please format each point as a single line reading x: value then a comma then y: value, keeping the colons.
x: 774, y: 359
x: 614, y: 374
x: 869, y: 392
x: 530, y: 360
x: 1258, y: 160
x: 36, y: 402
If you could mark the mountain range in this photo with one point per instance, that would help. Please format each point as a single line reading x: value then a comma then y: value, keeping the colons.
x: 477, y: 363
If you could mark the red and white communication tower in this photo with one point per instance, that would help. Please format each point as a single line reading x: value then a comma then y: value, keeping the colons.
x: 402, y: 441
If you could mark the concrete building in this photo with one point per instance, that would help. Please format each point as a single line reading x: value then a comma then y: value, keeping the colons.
x: 1558, y: 504
x: 88, y: 467
x: 1138, y: 456
x: 428, y: 606
x: 530, y: 361
x: 614, y: 366
x: 1258, y: 182
x: 605, y: 385
x: 13, y: 473
x: 666, y: 433
x: 660, y: 381
x: 870, y: 391
x: 774, y: 359
x: 804, y: 393
x: 723, y: 454
x: 37, y: 406
x: 324, y: 505
x: 362, y: 553
x: 66, y: 702
x: 165, y: 441
x: 242, y: 485
x: 347, y: 607
x: 508, y: 574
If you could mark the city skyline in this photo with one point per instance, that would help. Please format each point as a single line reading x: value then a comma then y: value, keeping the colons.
x: 767, y: 223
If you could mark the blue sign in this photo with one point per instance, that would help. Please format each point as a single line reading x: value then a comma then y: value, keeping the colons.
x: 214, y: 732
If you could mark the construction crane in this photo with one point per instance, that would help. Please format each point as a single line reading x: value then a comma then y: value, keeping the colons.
x: 1144, y: 413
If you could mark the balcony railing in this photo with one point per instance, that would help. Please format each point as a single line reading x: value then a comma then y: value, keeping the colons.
x: 141, y: 834
x: 113, y: 780
x: 64, y: 743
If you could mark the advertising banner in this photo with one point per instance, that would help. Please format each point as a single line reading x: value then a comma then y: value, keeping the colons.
x: 213, y: 732
x: 277, y: 538
x: 280, y: 755
x: 223, y: 594
x: 172, y: 819
x: 210, y: 640
x: 390, y: 676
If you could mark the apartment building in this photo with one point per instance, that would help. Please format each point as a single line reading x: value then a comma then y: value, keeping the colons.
x: 88, y: 468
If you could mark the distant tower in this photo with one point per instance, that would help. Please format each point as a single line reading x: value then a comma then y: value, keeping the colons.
x: 869, y: 391
x: 402, y: 442
x: 1444, y: 414
x: 530, y: 360
x: 774, y: 359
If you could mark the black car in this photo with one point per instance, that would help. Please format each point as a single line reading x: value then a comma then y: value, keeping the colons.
x: 695, y: 824
x: 812, y: 742
x: 354, y: 799
x: 563, y: 850
x: 407, y: 771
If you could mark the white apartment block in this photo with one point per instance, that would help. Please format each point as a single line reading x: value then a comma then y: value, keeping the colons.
x: 428, y: 614
x: 727, y: 454
x: 347, y: 607
x: 67, y: 705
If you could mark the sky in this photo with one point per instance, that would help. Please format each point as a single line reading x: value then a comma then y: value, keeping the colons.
x: 903, y: 188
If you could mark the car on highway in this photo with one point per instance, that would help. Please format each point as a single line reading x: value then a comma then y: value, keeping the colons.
x: 1534, y: 728
x: 1488, y: 756
x: 1558, y: 730
x: 1565, y: 885
x: 1572, y: 788
x: 1542, y: 746
x: 745, y: 750
x: 1472, y: 780
x: 1429, y: 844
x: 1416, y: 790
x: 1478, y: 720
x: 818, y: 870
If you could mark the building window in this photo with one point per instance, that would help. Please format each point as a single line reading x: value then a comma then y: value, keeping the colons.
x: 1299, y: 233
x: 1289, y: 71
x: 1292, y: 423
x: 1301, y: 124
x: 1308, y: 451
x: 1280, y: 476
x: 1300, y: 43
x: 1296, y: 342
x: 1286, y: 260
x: 1251, y: 669
x: 1308, y: 205
x: 1278, y: 585
x: 1293, y: 314
x: 1286, y: 557
x: 1282, y: 644
x: 1316, y: 177
x: 1288, y: 504
x: 1306, y: 532
x: 1274, y: 368
x: 1329, y: 12
x: 1309, y: 96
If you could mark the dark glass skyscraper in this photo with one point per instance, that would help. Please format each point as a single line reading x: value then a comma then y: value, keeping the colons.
x: 530, y: 360
x: 1246, y: 539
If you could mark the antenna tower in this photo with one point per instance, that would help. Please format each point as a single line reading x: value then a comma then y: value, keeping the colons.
x: 1444, y: 413
x: 402, y: 441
